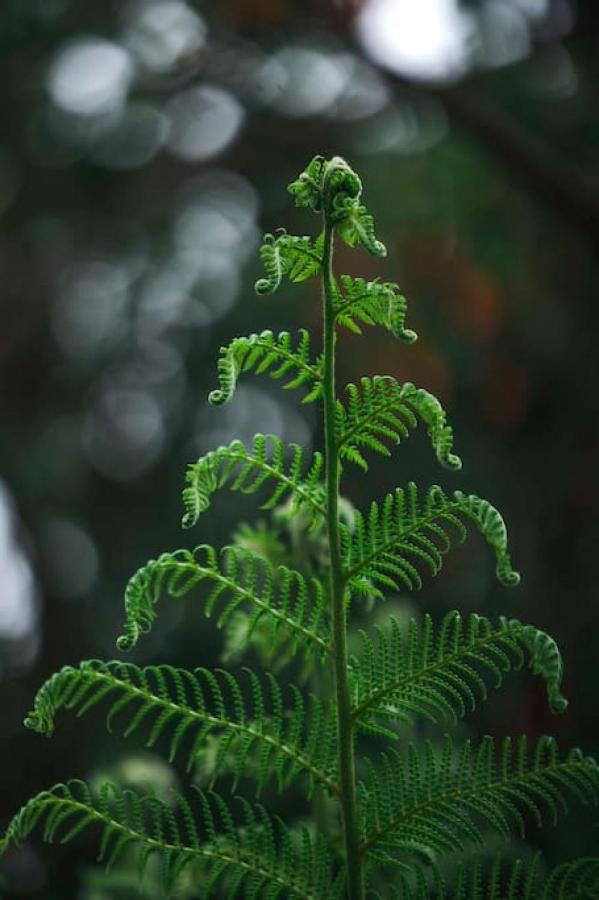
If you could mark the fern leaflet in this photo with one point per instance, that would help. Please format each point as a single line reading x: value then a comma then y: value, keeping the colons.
x: 355, y: 225
x: 259, y: 858
x: 248, y: 470
x: 438, y: 676
x: 382, y: 410
x: 372, y: 303
x: 190, y: 706
x: 439, y: 803
x: 271, y: 354
x: 519, y: 880
x: 241, y: 579
x: 378, y: 551
x: 287, y: 254
x: 307, y: 187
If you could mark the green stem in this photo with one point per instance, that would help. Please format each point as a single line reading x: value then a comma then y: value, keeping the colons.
x: 345, y: 737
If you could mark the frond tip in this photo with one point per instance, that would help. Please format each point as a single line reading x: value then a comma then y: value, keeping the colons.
x: 439, y: 673
x: 269, y: 461
x: 259, y: 856
x: 274, y: 355
x: 406, y: 529
x: 190, y: 707
x: 372, y: 303
x: 381, y: 410
x: 332, y: 185
x: 237, y: 579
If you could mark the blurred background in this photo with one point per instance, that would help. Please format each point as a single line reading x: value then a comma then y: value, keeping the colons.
x: 144, y: 148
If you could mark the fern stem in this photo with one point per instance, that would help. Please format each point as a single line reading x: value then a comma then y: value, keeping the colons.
x: 345, y: 736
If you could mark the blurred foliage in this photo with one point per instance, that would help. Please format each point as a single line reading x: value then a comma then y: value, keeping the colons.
x: 139, y: 138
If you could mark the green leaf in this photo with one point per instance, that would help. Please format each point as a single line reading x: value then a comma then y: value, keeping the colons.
x: 372, y: 303
x: 382, y: 411
x: 278, y: 595
x: 260, y: 857
x: 355, y: 226
x: 289, y: 255
x: 446, y: 802
x: 272, y: 355
x: 439, y: 674
x: 385, y: 546
x: 268, y: 462
x: 190, y: 707
x: 307, y: 188
x: 519, y: 879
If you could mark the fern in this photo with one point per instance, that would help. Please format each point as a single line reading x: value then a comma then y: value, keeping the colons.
x: 259, y: 858
x: 392, y: 820
x: 190, y: 706
x: 382, y: 410
x: 247, y: 471
x: 438, y: 801
x: 438, y: 676
x: 404, y: 529
x: 282, y: 596
x: 355, y: 226
x: 523, y: 878
x: 297, y: 257
x: 372, y: 303
x: 265, y: 353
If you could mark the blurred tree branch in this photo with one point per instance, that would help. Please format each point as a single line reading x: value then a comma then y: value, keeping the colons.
x: 531, y: 160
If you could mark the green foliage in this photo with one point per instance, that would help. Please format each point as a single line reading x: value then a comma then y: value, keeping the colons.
x: 372, y: 303
x: 298, y: 258
x: 438, y: 676
x: 237, y: 578
x: 437, y: 801
x: 406, y: 811
x: 381, y: 410
x: 275, y: 356
x: 247, y: 471
x: 523, y: 878
x: 260, y: 858
x: 191, y: 706
x: 404, y: 530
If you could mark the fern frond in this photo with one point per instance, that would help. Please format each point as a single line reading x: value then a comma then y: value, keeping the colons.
x: 439, y: 675
x: 272, y: 354
x: 188, y: 707
x: 438, y: 801
x: 382, y: 410
x: 307, y: 187
x: 279, y: 595
x: 355, y: 225
x: 248, y: 470
x: 577, y: 880
x: 405, y: 528
x: 258, y: 859
x: 289, y: 255
x: 518, y: 880
x: 372, y: 303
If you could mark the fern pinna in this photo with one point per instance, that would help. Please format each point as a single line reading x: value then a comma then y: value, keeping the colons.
x: 408, y: 818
